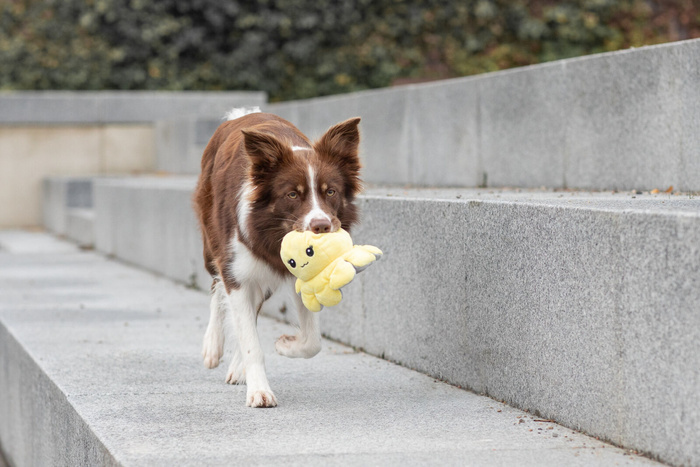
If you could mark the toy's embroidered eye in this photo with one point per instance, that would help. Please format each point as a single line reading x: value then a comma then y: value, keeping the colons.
x: 330, y: 192
x: 310, y: 251
x: 292, y: 263
x: 292, y: 195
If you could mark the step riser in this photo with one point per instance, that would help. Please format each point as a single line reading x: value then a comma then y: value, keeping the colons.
x: 153, y: 227
x: 623, y: 120
x: 40, y: 425
x: 584, y: 316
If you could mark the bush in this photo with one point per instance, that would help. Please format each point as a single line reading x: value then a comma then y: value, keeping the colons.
x: 299, y: 48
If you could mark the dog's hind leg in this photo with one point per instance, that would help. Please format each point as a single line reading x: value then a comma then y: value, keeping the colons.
x: 243, y: 317
x: 236, y: 370
x: 307, y: 342
x: 213, y: 346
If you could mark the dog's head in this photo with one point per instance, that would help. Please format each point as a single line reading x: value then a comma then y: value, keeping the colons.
x: 298, y: 186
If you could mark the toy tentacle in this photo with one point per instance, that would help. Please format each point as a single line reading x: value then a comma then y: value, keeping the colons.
x: 361, y: 256
x: 342, y: 274
x: 311, y: 302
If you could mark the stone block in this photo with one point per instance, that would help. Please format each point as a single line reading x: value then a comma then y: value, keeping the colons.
x: 576, y: 306
x: 625, y: 120
x: 93, y: 107
x: 616, y: 121
x: 444, y: 135
x: 102, y: 367
x: 59, y: 194
x: 150, y: 222
x: 80, y: 226
x: 522, y: 118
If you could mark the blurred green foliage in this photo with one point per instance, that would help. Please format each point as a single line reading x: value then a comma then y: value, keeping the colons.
x: 300, y: 48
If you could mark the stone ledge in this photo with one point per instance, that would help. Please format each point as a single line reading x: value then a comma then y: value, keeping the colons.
x: 620, y: 120
x: 572, y: 305
x: 100, y: 107
x: 100, y: 365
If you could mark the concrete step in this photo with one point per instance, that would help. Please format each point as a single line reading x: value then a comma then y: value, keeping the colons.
x: 581, y: 307
x: 100, y: 365
x: 80, y: 226
x: 621, y: 120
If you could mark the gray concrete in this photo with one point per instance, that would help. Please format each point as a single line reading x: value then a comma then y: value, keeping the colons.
x: 578, y: 306
x: 181, y: 142
x: 70, y: 107
x: 80, y: 226
x: 621, y: 120
x: 59, y: 194
x: 150, y: 222
x: 100, y: 365
x: 584, y: 310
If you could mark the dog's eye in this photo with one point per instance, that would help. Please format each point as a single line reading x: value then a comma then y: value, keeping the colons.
x: 330, y: 192
x: 310, y: 251
x: 292, y: 263
x: 292, y: 195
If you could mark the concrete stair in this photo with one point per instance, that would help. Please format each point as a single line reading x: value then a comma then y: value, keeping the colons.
x: 577, y: 306
x: 99, y: 365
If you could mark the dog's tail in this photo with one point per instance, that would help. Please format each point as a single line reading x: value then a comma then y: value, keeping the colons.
x: 238, y: 112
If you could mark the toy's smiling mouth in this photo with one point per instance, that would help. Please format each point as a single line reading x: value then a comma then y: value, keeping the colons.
x: 304, y: 264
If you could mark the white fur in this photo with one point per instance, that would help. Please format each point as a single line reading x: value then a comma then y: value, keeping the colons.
x: 213, y: 346
x: 244, y: 207
x: 308, y: 342
x: 246, y: 268
x: 316, y: 212
x: 238, y: 112
x: 243, y: 320
x: 300, y: 148
x: 256, y: 278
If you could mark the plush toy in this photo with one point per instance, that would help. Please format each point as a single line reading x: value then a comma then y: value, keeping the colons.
x: 323, y: 263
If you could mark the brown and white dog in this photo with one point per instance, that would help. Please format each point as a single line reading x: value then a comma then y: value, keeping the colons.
x: 262, y: 178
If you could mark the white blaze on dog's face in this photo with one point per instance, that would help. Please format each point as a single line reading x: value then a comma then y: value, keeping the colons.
x: 306, y: 187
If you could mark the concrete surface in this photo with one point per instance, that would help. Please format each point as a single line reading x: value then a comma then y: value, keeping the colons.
x: 80, y: 226
x: 59, y: 194
x: 30, y: 153
x: 95, y: 107
x: 100, y: 365
x: 621, y: 120
x: 150, y: 222
x: 53, y: 133
x: 181, y: 142
x: 573, y: 305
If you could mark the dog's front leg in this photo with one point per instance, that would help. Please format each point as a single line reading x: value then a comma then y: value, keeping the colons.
x: 307, y: 343
x: 244, y: 316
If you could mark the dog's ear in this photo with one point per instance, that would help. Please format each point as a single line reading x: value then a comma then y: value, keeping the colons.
x: 340, y: 145
x: 265, y: 151
x: 340, y: 141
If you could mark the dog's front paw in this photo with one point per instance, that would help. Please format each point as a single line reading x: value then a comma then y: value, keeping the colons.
x: 212, y: 349
x: 261, y: 399
x: 293, y: 347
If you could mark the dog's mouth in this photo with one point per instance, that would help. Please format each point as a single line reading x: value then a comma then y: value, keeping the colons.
x: 305, y: 264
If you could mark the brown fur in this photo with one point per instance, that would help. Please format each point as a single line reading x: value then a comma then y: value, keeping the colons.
x: 257, y: 148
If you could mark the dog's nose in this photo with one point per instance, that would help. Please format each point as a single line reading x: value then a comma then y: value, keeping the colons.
x: 320, y: 225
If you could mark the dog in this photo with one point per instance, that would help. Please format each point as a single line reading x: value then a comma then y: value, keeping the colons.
x: 262, y: 178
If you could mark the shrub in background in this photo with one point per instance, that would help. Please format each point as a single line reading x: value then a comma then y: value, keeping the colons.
x: 300, y: 48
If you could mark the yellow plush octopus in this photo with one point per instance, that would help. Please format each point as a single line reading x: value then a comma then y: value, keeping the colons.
x: 323, y: 263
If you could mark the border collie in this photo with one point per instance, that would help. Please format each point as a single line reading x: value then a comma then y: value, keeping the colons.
x: 262, y: 178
